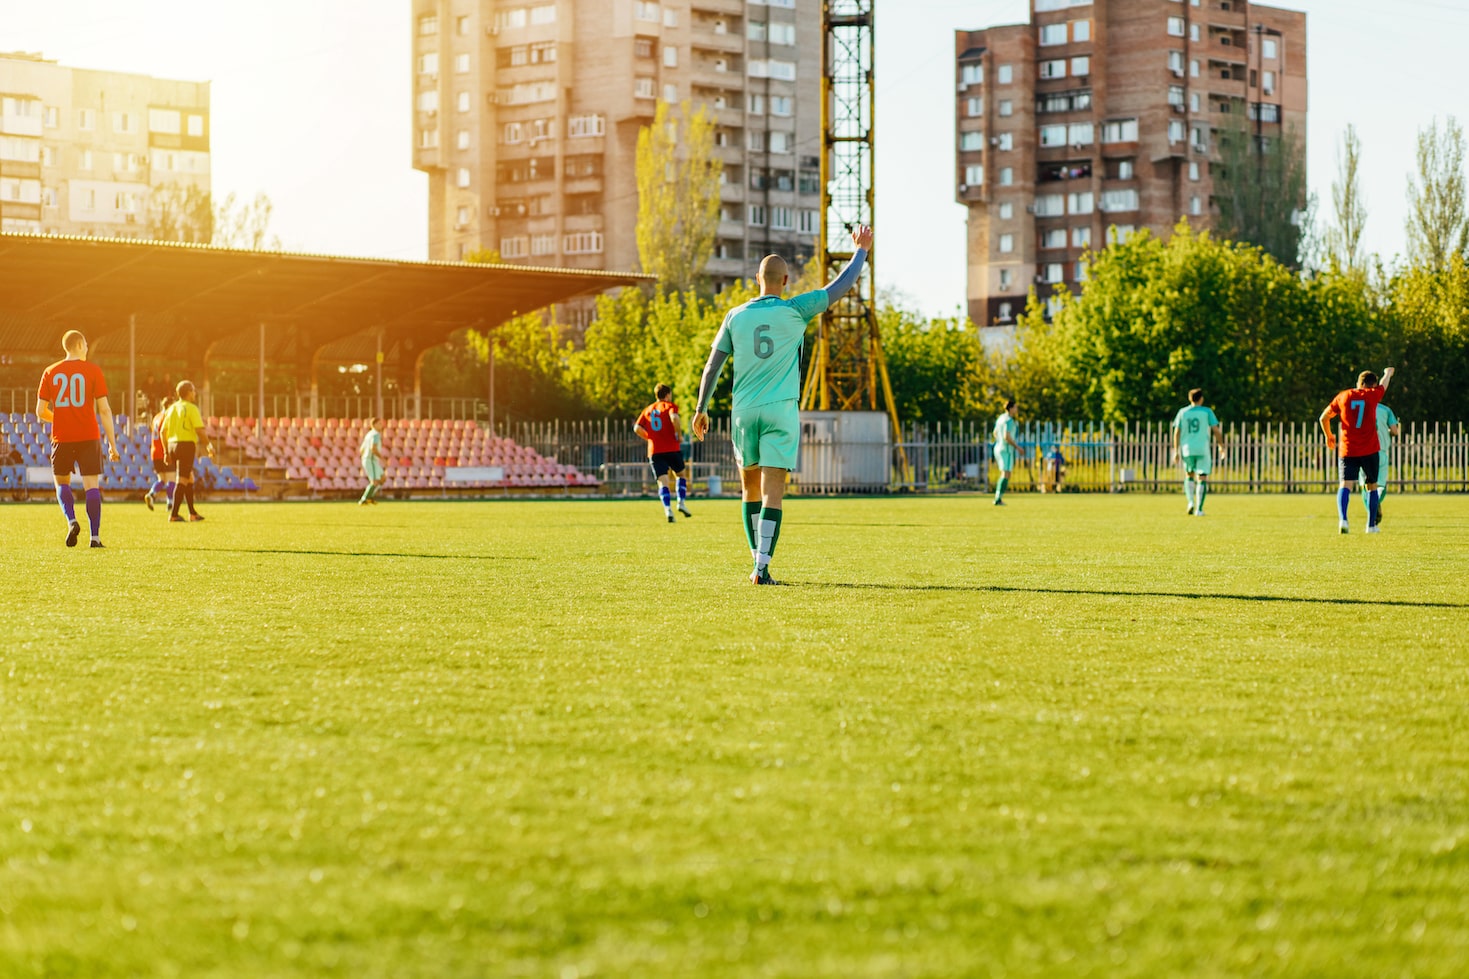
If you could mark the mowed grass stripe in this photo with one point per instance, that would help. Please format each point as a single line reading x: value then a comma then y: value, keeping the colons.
x: 554, y: 739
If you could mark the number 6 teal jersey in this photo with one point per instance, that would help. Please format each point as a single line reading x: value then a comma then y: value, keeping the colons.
x: 765, y: 336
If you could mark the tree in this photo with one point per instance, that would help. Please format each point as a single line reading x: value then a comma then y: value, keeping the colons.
x: 245, y: 226
x: 180, y: 212
x: 1344, y: 238
x: 1260, y: 184
x: 678, y: 196
x: 1438, y: 225
x: 1428, y: 316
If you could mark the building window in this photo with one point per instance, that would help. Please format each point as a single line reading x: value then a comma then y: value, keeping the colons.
x: 461, y: 64
x: 1193, y: 170
x: 1005, y: 74
x: 754, y: 141
x: 782, y: 33
x: 1081, y: 237
x: 971, y: 74
x: 1175, y: 26
x: 808, y: 221
x: 1081, y: 66
x: 1053, y: 34
x: 1193, y: 33
x: 463, y: 177
x: 781, y: 142
x: 1081, y: 30
x: 89, y: 200
x: 1119, y: 200
x: 1175, y: 62
x: 1053, y: 69
x: 973, y: 175
x: 1079, y: 203
x: 1175, y: 131
x: 1054, y: 238
x: 461, y: 216
x: 1268, y: 49
x: 1268, y: 78
x: 428, y: 139
x: 1006, y: 107
x: 124, y: 122
x: 546, y: 14
x: 782, y: 219
x: 48, y: 156
x: 461, y: 140
x: 1195, y: 206
x: 1006, y: 141
x: 1006, y: 312
x: 1007, y: 176
x: 782, y: 105
x: 1007, y: 244
x: 784, y: 71
x: 51, y: 117
x: 428, y: 25
x: 644, y: 88
x: 1004, y: 278
x: 461, y: 26
x: 1055, y: 272
x: 971, y: 142
x: 1175, y: 95
x: 461, y: 102
x: 517, y: 246
x: 1193, y: 68
x: 512, y: 133
x: 670, y: 57
x: 196, y: 125
x: 1053, y: 135
x: 810, y: 182
x: 974, y: 108
x: 1193, y: 101
x: 428, y: 64
x: 644, y: 10
x: 642, y: 47
x: 594, y: 124
x: 1050, y: 205
x: 1079, y: 134
x: 86, y: 119
x: 1125, y: 169
x: 84, y: 160
x: 757, y: 215
x: 755, y: 104
x: 428, y: 101
x: 1007, y: 211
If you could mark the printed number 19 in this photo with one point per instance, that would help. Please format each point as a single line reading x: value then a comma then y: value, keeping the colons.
x: 1193, y: 425
x: 1360, y: 406
x: 764, y: 346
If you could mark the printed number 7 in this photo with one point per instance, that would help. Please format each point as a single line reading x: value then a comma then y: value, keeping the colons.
x: 1360, y: 406
x: 764, y: 346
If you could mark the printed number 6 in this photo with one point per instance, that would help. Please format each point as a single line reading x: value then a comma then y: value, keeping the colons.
x: 764, y: 346
x: 656, y: 421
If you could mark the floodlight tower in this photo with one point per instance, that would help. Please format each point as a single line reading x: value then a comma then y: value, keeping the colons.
x: 847, y: 370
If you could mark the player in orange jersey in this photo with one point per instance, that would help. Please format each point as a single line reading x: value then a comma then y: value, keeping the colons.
x: 658, y: 425
x: 73, y: 394
x: 1356, y: 413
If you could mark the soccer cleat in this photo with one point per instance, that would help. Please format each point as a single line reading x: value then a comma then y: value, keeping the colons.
x: 362, y: 502
x: 195, y: 517
x: 1200, y: 513
x: 148, y: 499
x: 670, y: 519
x: 73, y: 534
x: 175, y: 519
x: 1372, y: 528
x: 96, y: 543
x: 684, y: 510
x: 1190, y: 509
x: 999, y: 503
x: 1344, y: 528
x: 761, y: 576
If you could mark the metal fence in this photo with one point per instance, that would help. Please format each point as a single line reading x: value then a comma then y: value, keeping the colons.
x: 1085, y: 457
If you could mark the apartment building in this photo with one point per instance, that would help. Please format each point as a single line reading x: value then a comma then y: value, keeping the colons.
x: 527, y: 112
x: 95, y: 152
x: 1102, y: 117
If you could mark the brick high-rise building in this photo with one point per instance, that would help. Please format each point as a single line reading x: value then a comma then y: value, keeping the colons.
x: 1105, y: 113
x: 97, y: 153
x: 527, y: 112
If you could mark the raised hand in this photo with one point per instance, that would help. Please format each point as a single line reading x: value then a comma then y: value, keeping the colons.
x: 862, y: 237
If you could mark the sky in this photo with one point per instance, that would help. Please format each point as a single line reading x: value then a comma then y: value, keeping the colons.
x: 311, y: 105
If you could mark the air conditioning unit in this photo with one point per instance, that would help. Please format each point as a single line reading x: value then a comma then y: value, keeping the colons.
x: 494, y: 212
x: 493, y: 30
x: 994, y: 141
x: 461, y: 227
x: 1078, y: 146
x: 1200, y: 148
x: 1178, y: 73
x: 963, y: 188
x: 1179, y: 107
x: 1030, y: 208
x: 963, y: 86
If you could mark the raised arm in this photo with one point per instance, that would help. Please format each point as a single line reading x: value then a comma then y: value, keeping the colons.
x: 1387, y: 376
x: 844, y: 282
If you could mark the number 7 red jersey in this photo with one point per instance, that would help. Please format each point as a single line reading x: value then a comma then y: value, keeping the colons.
x: 1357, y: 411
x: 659, y: 420
x: 71, y: 387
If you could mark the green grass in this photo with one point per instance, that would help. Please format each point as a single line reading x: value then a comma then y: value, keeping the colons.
x: 1074, y: 736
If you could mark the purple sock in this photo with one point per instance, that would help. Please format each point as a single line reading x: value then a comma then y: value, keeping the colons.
x: 94, y: 511
x: 1343, y: 498
x: 68, y: 502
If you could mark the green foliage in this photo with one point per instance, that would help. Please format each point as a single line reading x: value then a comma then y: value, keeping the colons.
x: 1260, y: 186
x: 937, y: 367
x: 180, y: 212
x: 1438, y: 216
x: 678, y: 196
x: 1429, y: 311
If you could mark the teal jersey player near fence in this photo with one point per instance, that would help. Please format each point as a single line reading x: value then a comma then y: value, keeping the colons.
x: 1007, y: 449
x: 372, y: 463
x: 1193, y: 429
x: 1387, y: 426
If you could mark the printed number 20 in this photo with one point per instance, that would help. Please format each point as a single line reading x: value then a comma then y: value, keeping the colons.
x: 764, y: 346
x: 1360, y: 407
x: 71, y: 390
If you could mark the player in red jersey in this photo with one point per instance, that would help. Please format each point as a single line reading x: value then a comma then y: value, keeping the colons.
x: 1356, y: 413
x: 658, y: 425
x: 72, y: 395
x: 159, y: 454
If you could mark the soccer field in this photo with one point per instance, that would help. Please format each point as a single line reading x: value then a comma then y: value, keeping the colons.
x: 1078, y: 735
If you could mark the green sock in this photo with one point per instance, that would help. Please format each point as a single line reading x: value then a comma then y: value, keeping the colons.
x: 769, y: 533
x: 366, y: 494
x: 1367, y: 499
x: 752, y: 514
x: 1188, y: 490
x: 1001, y: 487
x: 1199, y: 494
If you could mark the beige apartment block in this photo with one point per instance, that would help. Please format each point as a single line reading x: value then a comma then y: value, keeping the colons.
x: 93, y: 152
x: 526, y: 117
x: 1101, y: 117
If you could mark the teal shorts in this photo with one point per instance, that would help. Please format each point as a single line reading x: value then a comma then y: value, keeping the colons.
x: 767, y: 435
x: 1382, y: 469
x: 373, y: 467
x: 1005, y: 458
x: 1198, y: 464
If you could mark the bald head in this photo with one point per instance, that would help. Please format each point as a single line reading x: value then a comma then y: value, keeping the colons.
x: 773, y: 275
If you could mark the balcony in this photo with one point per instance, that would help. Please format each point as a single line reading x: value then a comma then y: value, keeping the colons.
x: 582, y: 185
x: 727, y: 43
x: 1064, y: 171
x: 728, y: 7
x: 583, y: 222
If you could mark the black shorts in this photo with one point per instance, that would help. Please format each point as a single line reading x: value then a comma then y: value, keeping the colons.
x: 86, y: 456
x: 162, y: 465
x: 1365, y: 466
x: 182, y: 454
x: 665, y: 462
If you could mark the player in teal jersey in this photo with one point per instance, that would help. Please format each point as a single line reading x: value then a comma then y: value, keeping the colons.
x: 1388, y: 428
x: 1192, y: 427
x: 765, y: 337
x: 372, y: 462
x: 1007, y: 450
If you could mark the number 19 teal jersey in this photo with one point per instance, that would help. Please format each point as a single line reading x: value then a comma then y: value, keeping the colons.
x: 1193, y: 423
x: 765, y: 336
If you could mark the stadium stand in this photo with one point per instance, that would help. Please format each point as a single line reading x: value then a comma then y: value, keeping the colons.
x: 312, y: 456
